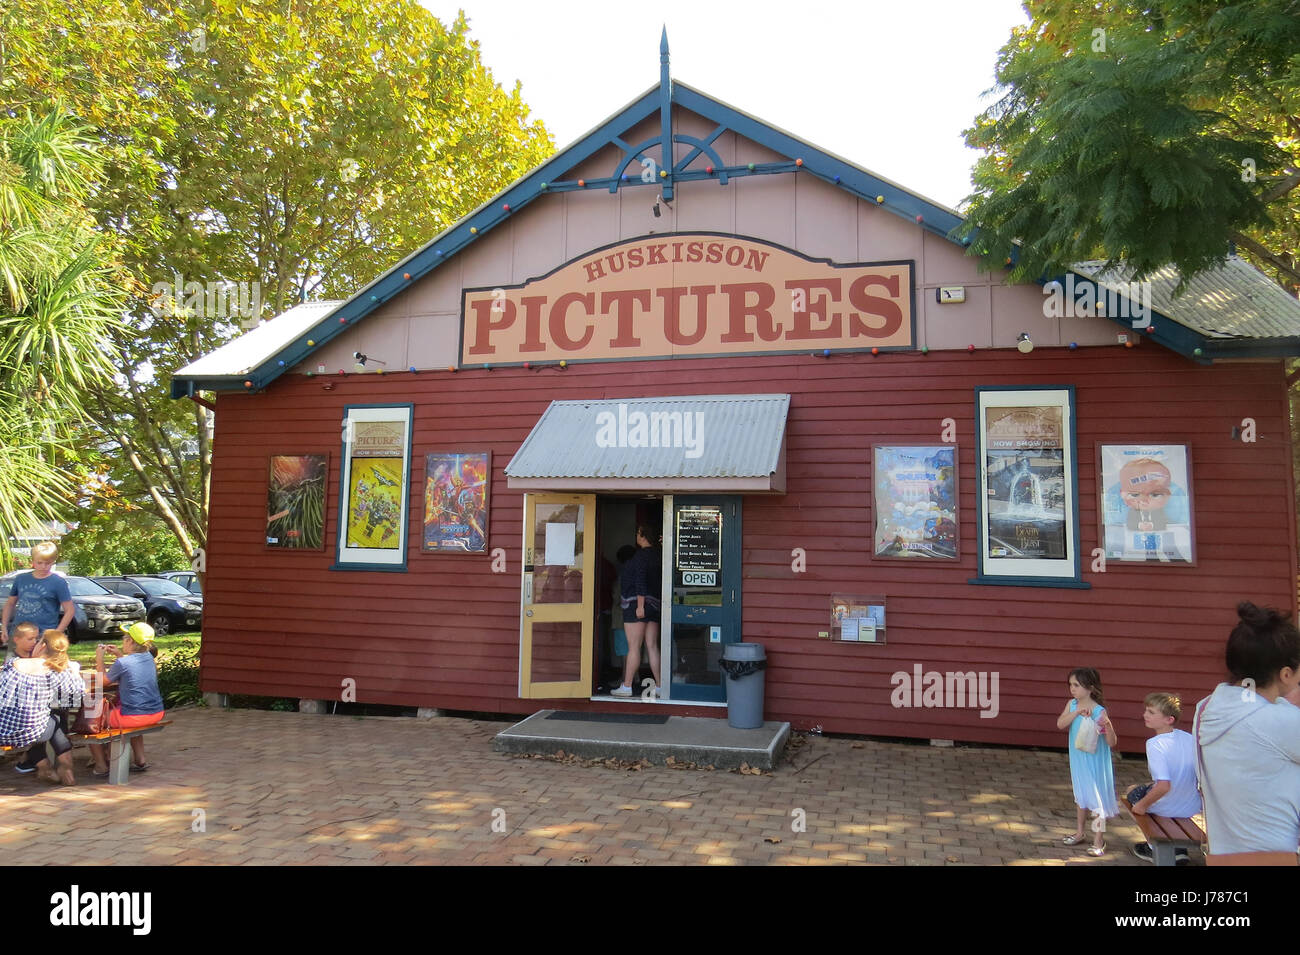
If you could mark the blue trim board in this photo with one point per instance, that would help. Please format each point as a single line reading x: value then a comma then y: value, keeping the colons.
x: 1057, y: 582
x: 851, y: 179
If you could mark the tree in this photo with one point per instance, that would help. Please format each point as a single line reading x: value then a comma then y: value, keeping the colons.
x: 1143, y: 134
x: 296, y: 147
x: 60, y: 294
x: 116, y: 537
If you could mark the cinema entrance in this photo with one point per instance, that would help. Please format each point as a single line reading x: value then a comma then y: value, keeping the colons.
x: 573, y: 641
x: 593, y: 472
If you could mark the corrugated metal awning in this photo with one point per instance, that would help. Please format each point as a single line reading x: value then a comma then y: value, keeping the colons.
x: 721, y: 443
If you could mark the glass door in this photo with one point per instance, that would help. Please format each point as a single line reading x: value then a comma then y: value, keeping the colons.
x: 558, y: 597
x: 705, y: 571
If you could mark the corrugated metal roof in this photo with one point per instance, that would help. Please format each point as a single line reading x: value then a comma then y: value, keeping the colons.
x: 1234, y: 300
x: 259, y: 344
x: 725, y: 436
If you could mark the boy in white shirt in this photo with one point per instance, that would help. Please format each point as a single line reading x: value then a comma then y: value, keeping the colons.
x: 1171, y: 760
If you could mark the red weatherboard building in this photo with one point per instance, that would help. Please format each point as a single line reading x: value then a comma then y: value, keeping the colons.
x: 928, y: 494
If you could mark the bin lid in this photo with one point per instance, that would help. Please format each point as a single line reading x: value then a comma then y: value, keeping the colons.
x: 744, y: 651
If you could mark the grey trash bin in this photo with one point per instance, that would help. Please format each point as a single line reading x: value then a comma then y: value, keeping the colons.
x: 743, y: 664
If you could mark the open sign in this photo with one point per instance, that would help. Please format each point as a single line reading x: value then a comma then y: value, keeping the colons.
x: 699, y: 578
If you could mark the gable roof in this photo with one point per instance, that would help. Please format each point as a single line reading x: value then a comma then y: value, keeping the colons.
x: 292, y: 347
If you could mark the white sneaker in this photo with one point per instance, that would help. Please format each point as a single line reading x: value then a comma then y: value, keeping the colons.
x: 621, y: 691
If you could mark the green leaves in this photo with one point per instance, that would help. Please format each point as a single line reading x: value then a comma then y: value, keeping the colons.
x: 224, y: 127
x: 1142, y: 136
x: 60, y: 300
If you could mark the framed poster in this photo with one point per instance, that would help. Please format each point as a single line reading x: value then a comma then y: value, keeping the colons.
x: 456, y: 485
x: 295, y: 501
x: 1029, y: 511
x: 1145, y: 506
x: 915, y: 501
x: 374, y: 482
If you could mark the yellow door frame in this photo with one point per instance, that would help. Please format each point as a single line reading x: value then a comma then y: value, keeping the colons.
x: 583, y: 612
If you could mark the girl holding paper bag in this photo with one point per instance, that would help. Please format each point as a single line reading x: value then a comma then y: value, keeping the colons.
x: 1091, y: 739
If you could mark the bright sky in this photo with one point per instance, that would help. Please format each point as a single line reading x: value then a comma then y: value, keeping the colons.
x: 887, y: 85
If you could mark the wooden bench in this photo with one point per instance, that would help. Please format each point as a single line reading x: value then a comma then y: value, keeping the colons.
x: 1165, y: 835
x: 119, y: 748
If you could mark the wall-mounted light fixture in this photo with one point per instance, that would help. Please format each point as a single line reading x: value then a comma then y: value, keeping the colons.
x: 1023, y: 344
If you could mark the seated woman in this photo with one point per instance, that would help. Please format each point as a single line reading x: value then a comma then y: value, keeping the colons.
x: 1248, y: 737
x: 139, y: 702
x: 28, y: 689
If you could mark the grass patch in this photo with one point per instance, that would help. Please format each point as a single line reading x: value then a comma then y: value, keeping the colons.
x: 84, y: 652
x: 178, y: 665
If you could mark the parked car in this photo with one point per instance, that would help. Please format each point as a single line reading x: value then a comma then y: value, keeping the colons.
x: 100, y: 612
x: 168, y: 606
x: 186, y: 578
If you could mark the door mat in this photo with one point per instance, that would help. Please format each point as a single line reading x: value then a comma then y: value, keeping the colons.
x: 649, y: 719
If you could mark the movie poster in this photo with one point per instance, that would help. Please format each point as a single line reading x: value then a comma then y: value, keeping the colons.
x: 456, y: 502
x: 1146, y: 503
x: 375, y: 484
x: 915, y: 501
x: 1024, y: 460
x: 295, y: 501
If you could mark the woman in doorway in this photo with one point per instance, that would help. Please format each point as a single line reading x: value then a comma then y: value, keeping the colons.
x: 641, y: 608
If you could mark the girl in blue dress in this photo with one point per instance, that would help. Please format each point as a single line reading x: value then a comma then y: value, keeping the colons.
x: 1091, y: 773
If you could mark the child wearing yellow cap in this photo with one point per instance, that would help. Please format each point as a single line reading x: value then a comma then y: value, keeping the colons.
x: 139, y: 701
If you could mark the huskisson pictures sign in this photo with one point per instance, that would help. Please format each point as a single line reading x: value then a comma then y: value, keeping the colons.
x: 690, y: 294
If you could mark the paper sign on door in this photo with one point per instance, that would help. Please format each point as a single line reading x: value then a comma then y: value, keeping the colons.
x: 560, y: 540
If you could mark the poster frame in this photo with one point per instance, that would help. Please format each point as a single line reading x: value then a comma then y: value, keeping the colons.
x: 429, y: 464
x: 1104, y: 481
x: 370, y: 558
x: 1019, y: 571
x: 879, y: 507
x: 279, y: 548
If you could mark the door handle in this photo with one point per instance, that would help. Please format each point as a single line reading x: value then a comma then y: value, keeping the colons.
x: 528, y: 613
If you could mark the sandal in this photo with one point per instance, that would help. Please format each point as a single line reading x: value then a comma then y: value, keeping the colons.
x: 98, y: 774
x: 1071, y: 840
x: 139, y: 769
x: 1096, y: 851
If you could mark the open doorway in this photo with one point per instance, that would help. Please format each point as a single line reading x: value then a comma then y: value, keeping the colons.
x: 617, y: 520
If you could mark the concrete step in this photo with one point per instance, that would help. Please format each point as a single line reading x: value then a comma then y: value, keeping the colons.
x: 652, y: 737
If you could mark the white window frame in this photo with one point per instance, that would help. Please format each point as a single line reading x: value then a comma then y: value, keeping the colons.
x: 1033, y: 570
x: 373, y: 558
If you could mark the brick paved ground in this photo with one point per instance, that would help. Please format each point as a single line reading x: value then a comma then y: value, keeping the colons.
x: 289, y: 788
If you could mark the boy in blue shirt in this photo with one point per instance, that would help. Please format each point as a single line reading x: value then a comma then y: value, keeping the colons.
x: 1171, y: 760
x: 39, y: 596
